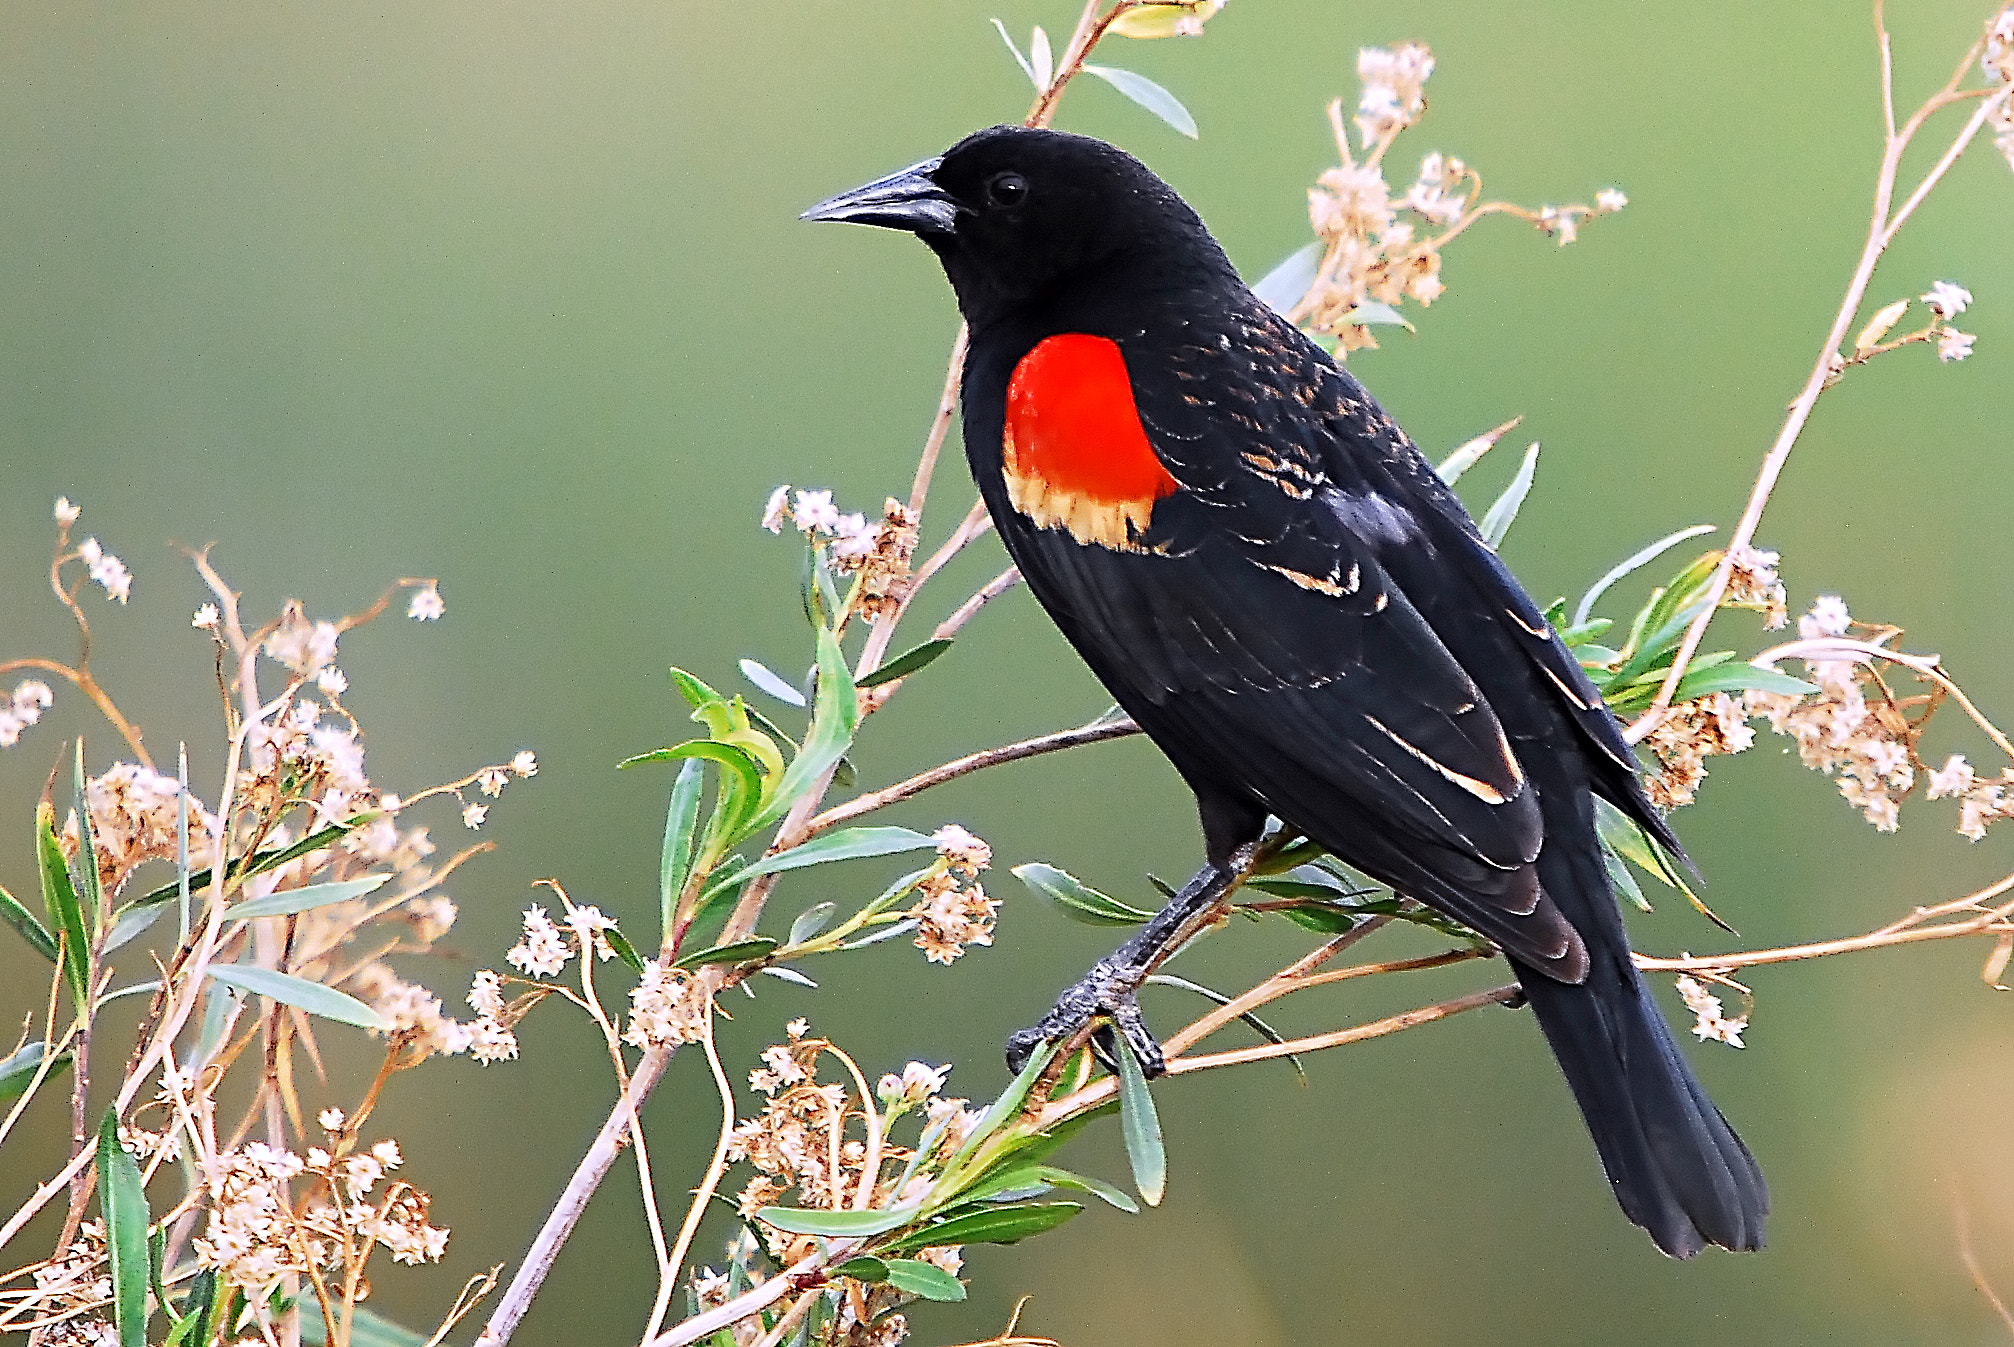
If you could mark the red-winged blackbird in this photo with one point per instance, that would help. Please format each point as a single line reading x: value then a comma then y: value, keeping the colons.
x: 1269, y: 578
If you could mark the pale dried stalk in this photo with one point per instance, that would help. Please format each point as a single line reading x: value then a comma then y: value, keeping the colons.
x: 1882, y: 228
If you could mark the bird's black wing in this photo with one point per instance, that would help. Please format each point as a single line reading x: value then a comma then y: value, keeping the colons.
x: 1257, y: 636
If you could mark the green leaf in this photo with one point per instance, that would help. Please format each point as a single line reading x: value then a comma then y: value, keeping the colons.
x: 866, y: 1268
x: 1700, y: 682
x: 84, y: 865
x: 1659, y: 643
x: 915, y: 1277
x: 624, y: 951
x: 844, y: 845
x: 834, y: 719
x: 312, y: 997
x: 1019, y: 59
x: 838, y: 1224
x: 123, y: 1201
x: 1583, y: 632
x: 1372, y: 313
x: 1635, y: 562
x: 1504, y: 512
x: 193, y: 1323
x: 1283, y: 286
x: 1078, y: 901
x: 262, y: 862
x: 1622, y: 880
x: 1083, y: 1183
x: 16, y: 1071
x: 694, y: 690
x: 1620, y: 835
x: 906, y: 663
x: 367, y: 1328
x: 681, y: 820
x: 733, y: 757
x: 129, y: 925
x: 739, y: 951
x: 1148, y: 95
x: 59, y: 898
x: 996, y: 1225
x: 767, y: 679
x: 23, y: 921
x: 1006, y: 1108
x: 1141, y: 1126
x: 306, y: 898
x: 810, y: 922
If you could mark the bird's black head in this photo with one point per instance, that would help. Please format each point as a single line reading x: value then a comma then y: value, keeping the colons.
x: 1018, y: 215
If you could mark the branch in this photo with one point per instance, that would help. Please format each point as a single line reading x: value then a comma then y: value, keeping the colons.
x: 965, y: 766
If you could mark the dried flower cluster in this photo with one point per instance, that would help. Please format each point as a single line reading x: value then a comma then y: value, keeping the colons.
x: 666, y: 1007
x: 1369, y: 255
x: 1852, y: 726
x: 878, y: 552
x: 260, y: 1230
x: 1694, y: 730
x: 1998, y: 66
x: 1710, y: 1021
x: 812, y: 1138
x: 952, y: 909
x: 30, y: 698
x: 135, y: 812
x: 1752, y: 582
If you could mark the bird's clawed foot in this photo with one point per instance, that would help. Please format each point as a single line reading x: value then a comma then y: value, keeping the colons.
x: 1109, y: 992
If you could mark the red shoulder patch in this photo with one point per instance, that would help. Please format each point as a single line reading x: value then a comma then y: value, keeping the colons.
x: 1075, y: 453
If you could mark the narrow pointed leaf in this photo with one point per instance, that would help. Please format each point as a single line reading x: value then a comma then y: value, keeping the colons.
x: 300, y: 993
x: 1007, y: 1107
x: 1737, y: 677
x: 123, y: 1201
x: 1084, y: 1183
x: 131, y: 923
x: 16, y: 1071
x: 838, y: 1224
x: 260, y: 863
x: 694, y: 690
x: 771, y: 682
x: 624, y: 951
x: 997, y: 1225
x: 681, y: 821
x: 1466, y: 456
x: 1019, y: 59
x: 306, y: 898
x: 1041, y: 59
x: 1148, y: 95
x: 835, y: 717
x: 1078, y: 901
x: 1635, y: 562
x: 1503, y: 513
x: 892, y: 931
x: 1373, y: 313
x: 810, y: 922
x: 59, y: 899
x: 1142, y: 1128
x: 735, y: 758
x: 843, y: 845
x: 84, y: 865
x: 906, y: 663
x: 739, y: 951
x: 863, y: 1269
x: 1620, y: 878
x: 1251, y: 1021
x: 790, y: 975
x: 25, y: 923
x: 1283, y: 286
x: 915, y: 1277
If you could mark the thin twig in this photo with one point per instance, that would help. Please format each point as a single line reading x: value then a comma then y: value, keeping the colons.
x: 965, y: 766
x: 1970, y: 1258
x: 1882, y: 228
x: 668, y: 1276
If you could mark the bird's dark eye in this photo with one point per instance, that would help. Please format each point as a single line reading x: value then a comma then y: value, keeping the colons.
x: 1006, y: 189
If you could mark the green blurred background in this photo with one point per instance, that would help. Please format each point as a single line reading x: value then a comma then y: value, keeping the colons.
x: 514, y: 295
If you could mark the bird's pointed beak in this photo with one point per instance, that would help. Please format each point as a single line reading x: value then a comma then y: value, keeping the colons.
x: 910, y: 200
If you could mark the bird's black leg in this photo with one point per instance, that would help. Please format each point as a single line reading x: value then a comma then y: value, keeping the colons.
x: 1111, y: 987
